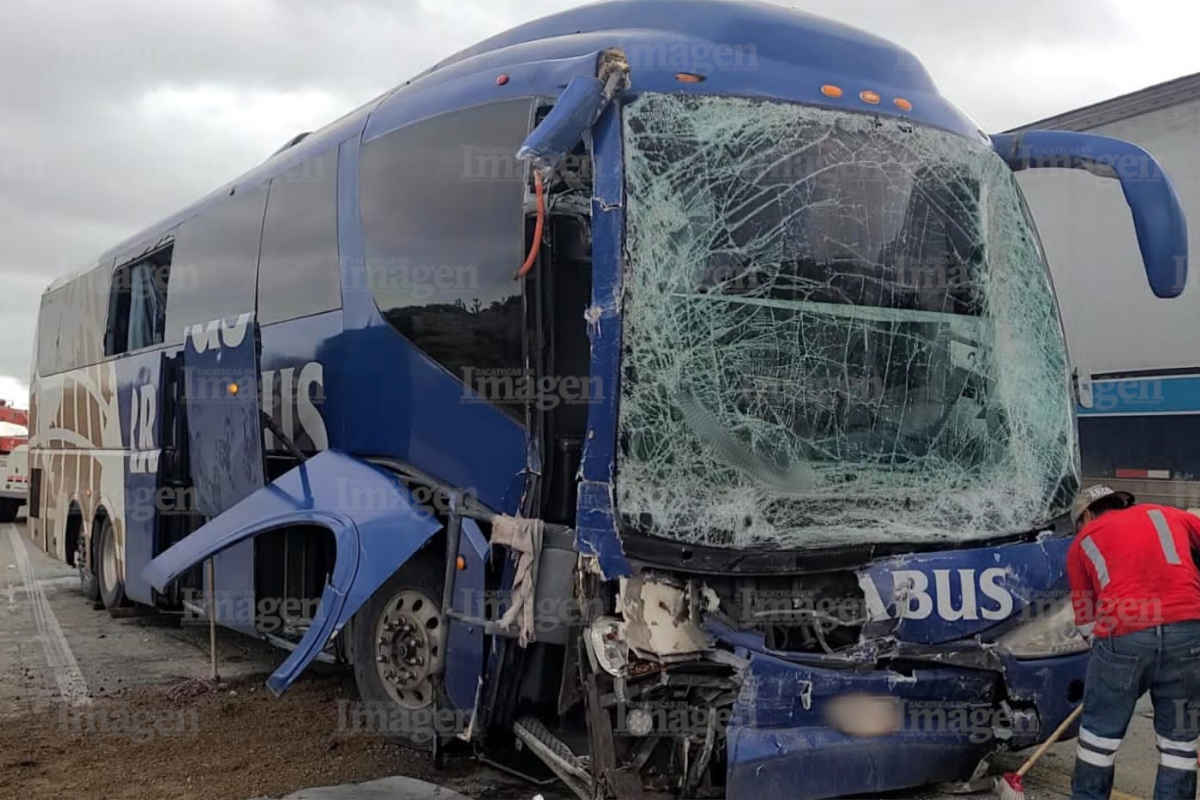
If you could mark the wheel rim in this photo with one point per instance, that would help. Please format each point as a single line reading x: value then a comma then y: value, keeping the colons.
x: 408, y: 648
x: 108, y: 560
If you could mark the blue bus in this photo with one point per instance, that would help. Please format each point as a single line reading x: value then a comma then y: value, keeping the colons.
x: 676, y: 390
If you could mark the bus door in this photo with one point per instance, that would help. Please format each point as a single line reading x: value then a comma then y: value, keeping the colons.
x: 225, y: 445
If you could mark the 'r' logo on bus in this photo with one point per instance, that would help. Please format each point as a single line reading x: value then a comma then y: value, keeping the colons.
x: 143, y: 412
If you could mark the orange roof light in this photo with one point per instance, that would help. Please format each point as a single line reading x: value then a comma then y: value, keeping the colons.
x: 829, y: 90
x: 867, y: 96
x: 903, y: 104
x: 689, y: 77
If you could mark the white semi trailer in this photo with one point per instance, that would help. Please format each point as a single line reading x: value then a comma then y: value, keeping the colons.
x: 14, y: 481
x: 1137, y: 358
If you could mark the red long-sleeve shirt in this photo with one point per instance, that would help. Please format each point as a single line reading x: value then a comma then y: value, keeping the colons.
x: 1134, y: 569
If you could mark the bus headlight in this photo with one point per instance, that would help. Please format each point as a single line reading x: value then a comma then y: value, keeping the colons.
x: 1051, y: 633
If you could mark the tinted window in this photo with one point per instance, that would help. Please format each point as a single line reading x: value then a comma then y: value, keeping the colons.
x: 441, y: 205
x: 215, y: 261
x: 138, y: 303
x: 299, y: 273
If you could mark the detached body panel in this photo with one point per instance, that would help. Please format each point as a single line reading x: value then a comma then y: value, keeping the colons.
x: 376, y: 526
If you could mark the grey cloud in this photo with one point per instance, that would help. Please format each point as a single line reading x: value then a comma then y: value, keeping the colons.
x: 116, y: 114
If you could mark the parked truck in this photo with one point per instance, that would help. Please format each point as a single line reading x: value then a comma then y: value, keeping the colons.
x: 14, y: 460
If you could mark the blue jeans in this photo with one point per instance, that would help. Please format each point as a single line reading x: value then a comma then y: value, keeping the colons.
x: 1164, y: 660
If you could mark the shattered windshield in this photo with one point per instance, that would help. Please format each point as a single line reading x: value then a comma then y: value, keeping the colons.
x: 838, y: 329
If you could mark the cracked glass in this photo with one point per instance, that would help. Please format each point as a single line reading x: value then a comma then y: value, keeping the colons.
x: 837, y: 329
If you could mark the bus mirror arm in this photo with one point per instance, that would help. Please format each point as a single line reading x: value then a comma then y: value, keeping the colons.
x: 1158, y: 217
x: 575, y: 112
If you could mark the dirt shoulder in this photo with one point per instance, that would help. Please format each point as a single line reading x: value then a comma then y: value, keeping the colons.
x: 233, y: 743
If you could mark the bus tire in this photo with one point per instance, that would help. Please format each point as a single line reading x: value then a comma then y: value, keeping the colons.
x: 397, y: 643
x: 112, y: 589
x: 8, y: 509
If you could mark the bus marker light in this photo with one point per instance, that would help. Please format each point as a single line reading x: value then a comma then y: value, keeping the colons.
x: 233, y: 388
x: 501, y: 79
x: 689, y: 77
x: 903, y: 104
x: 829, y: 90
x: 867, y: 96
x: 461, y: 563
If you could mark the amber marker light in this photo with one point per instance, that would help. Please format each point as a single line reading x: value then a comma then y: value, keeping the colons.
x: 867, y: 96
x: 829, y: 90
x: 233, y: 388
x: 689, y: 77
x: 461, y: 563
x: 902, y: 104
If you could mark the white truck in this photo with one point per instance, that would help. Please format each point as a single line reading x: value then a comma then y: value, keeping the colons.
x: 1137, y: 363
x: 14, y: 481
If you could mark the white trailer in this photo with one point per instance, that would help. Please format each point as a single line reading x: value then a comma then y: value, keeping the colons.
x: 1137, y: 358
x: 14, y: 482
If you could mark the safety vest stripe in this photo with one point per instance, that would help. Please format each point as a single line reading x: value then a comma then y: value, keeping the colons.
x: 1165, y: 538
x: 1097, y: 559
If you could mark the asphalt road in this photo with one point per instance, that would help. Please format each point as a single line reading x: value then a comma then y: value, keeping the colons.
x: 56, y: 651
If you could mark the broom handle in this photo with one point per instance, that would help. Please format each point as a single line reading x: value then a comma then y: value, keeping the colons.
x: 1044, y: 746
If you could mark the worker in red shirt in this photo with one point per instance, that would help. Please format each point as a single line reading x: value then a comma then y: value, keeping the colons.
x: 1136, y: 586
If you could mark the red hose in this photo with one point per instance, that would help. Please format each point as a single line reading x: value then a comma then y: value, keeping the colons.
x: 536, y: 247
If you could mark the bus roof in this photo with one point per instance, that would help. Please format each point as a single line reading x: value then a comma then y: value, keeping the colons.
x: 736, y: 48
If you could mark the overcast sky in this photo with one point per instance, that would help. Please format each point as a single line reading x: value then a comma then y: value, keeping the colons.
x: 116, y: 114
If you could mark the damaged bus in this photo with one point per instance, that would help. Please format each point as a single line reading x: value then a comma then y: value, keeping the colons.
x: 673, y: 394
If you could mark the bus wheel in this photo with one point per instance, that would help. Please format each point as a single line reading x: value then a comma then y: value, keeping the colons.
x: 112, y: 590
x: 398, y: 642
x: 8, y: 510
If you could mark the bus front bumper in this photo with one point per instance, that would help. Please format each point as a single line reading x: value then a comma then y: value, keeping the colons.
x: 947, y: 720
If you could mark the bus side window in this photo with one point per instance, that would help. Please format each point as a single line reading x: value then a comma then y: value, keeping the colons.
x: 298, y: 273
x: 49, y: 322
x: 215, y: 262
x: 444, y: 227
x: 137, y: 303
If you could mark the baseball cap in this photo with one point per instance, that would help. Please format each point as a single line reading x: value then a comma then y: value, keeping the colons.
x: 1090, y: 495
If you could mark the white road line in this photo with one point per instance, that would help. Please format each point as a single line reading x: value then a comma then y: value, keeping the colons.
x: 59, y: 657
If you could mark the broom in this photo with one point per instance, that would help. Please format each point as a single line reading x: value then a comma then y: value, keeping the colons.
x: 1011, y: 786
